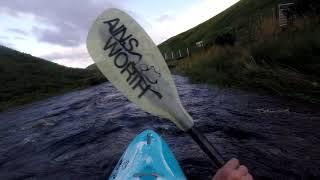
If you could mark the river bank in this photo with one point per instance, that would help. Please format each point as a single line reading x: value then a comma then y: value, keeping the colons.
x: 275, y: 67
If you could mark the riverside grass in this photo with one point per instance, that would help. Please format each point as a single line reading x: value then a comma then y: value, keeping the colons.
x: 282, y: 66
x: 281, y: 61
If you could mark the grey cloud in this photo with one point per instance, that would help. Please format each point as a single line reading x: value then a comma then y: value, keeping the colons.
x: 141, y: 20
x: 17, y: 31
x: 3, y: 38
x: 54, y: 56
x: 8, y: 11
x: 72, y: 18
x: 164, y: 17
x: 19, y: 38
x: 66, y: 55
x: 7, y: 44
x: 75, y: 63
x: 64, y: 36
x: 72, y: 59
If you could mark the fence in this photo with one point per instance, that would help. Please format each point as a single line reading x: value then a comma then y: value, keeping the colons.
x: 284, y: 17
x: 182, y: 53
x: 249, y: 31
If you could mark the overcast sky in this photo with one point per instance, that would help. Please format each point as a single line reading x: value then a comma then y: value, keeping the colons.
x: 56, y: 29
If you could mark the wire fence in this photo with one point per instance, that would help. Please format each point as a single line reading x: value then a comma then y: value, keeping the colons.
x: 265, y: 25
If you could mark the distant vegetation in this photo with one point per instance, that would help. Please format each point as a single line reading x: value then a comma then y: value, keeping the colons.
x: 283, y: 61
x: 25, y: 78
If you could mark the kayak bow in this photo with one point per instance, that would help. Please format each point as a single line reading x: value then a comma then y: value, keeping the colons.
x: 147, y: 157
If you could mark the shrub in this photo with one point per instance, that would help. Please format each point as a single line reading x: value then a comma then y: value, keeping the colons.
x: 307, y: 7
x: 226, y: 39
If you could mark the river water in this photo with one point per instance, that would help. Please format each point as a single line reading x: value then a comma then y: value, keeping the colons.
x: 82, y: 134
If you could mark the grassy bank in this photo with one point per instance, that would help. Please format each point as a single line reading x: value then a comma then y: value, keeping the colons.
x: 246, y: 48
x: 286, y: 65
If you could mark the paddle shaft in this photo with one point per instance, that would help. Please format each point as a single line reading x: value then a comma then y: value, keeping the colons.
x: 206, y: 146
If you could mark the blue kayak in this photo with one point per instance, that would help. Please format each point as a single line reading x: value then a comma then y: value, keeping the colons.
x: 148, y: 157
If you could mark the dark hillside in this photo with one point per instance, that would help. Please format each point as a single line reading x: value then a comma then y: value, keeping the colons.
x: 25, y: 78
x: 235, y: 16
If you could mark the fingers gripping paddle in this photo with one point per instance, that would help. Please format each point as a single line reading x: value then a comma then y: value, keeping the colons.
x: 130, y: 60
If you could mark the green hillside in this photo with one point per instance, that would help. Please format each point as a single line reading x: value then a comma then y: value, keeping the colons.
x: 25, y: 78
x: 236, y: 16
x: 246, y: 49
x: 92, y: 67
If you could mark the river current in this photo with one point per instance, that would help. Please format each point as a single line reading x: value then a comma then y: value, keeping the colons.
x: 82, y: 134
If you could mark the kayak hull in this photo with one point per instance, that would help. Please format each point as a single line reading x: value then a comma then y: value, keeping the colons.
x: 147, y: 157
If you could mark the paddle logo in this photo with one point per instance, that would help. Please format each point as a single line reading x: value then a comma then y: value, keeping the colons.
x: 121, y: 47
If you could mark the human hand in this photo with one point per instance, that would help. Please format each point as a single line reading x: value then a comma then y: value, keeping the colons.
x: 232, y: 170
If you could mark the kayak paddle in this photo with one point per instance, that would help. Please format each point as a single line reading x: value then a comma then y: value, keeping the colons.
x: 130, y: 60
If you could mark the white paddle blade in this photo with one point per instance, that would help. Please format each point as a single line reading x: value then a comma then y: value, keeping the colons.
x: 130, y: 60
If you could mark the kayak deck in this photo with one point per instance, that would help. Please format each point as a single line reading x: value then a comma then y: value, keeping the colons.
x: 147, y: 157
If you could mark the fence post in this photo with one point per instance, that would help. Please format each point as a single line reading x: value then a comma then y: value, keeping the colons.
x: 165, y: 56
x: 180, y: 54
x: 188, y: 53
x: 172, y: 55
x: 274, y: 22
x: 279, y: 15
